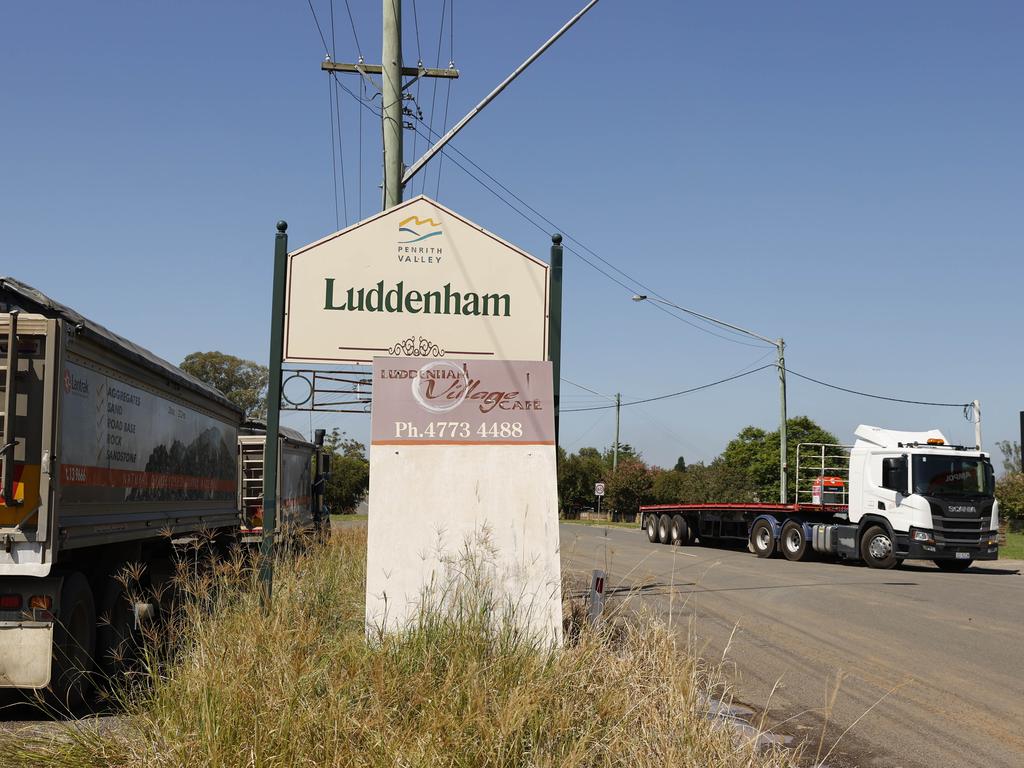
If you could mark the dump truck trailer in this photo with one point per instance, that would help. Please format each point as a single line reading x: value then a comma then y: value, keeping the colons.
x: 889, y: 497
x: 300, y: 483
x: 110, y: 456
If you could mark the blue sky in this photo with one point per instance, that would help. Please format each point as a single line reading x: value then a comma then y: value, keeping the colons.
x: 846, y: 176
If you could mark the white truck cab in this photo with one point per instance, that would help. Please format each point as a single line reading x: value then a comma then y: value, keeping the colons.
x: 912, y: 495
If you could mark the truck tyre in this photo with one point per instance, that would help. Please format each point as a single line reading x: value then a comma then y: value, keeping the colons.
x: 691, y: 534
x: 793, y: 542
x: 680, y: 532
x: 762, y: 539
x: 74, y: 644
x: 665, y: 529
x: 876, y: 548
x: 652, y: 529
x: 953, y: 566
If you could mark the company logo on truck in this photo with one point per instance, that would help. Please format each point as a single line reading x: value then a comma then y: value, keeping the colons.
x: 75, y: 385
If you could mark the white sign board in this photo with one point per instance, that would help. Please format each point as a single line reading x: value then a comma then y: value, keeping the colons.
x: 462, y: 460
x: 599, y: 489
x: 415, y: 280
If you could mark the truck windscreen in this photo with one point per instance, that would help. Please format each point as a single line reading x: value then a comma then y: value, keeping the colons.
x: 952, y: 476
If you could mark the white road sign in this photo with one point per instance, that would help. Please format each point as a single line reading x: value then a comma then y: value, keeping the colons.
x: 599, y: 489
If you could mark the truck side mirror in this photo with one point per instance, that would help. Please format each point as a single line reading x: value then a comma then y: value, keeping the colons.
x: 325, y: 465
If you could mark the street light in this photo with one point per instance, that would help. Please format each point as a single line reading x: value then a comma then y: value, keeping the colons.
x: 780, y: 347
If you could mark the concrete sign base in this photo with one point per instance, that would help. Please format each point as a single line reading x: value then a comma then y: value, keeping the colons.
x: 480, y: 493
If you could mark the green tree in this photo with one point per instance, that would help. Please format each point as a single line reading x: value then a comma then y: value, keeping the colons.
x: 680, y: 464
x: 350, y: 472
x: 1011, y: 455
x: 631, y: 485
x: 577, y: 474
x: 755, y: 454
x: 243, y: 382
x: 1010, y: 493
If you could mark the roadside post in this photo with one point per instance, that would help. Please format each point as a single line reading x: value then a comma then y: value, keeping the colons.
x: 597, y: 581
x: 273, y: 413
x: 555, y: 321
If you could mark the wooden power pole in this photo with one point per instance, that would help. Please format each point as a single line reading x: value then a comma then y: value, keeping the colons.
x: 392, y: 91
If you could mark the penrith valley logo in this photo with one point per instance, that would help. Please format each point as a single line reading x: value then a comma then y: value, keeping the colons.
x: 417, y: 229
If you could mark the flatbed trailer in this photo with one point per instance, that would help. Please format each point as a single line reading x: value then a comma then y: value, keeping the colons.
x: 755, y: 523
x: 907, y: 496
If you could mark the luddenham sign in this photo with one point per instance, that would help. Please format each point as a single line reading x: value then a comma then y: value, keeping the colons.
x: 435, y: 285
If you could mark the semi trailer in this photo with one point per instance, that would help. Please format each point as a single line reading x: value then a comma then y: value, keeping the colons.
x: 889, y: 497
x: 108, y: 456
x: 303, y: 468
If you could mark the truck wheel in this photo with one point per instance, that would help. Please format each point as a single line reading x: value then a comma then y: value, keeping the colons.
x: 652, y: 529
x: 793, y: 542
x: 665, y: 529
x: 762, y: 539
x: 74, y: 643
x: 953, y: 566
x: 680, y: 534
x: 876, y: 548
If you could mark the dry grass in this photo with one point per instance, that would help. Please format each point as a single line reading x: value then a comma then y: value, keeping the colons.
x: 301, y: 686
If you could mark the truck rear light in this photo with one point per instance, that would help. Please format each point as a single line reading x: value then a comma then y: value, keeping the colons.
x: 43, y: 602
x: 10, y: 602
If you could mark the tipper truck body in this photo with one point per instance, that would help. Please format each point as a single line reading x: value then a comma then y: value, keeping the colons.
x: 892, y: 496
x: 109, y: 455
x: 301, y: 472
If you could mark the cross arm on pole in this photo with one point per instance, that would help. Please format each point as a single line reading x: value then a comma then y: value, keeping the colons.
x: 376, y: 69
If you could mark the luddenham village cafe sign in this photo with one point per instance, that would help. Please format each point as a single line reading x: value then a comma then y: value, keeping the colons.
x: 456, y: 323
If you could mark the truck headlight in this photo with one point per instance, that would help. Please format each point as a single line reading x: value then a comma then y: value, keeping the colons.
x: 924, y: 537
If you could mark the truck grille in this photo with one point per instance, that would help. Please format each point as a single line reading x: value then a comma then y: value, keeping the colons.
x: 959, y: 531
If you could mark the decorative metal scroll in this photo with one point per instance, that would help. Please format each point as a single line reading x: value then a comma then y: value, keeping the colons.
x: 416, y: 346
x: 341, y: 391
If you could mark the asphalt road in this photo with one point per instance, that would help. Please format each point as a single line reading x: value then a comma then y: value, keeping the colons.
x: 931, y: 663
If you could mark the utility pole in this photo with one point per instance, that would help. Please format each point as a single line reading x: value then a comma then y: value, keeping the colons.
x: 391, y: 102
x: 615, y: 450
x: 392, y: 91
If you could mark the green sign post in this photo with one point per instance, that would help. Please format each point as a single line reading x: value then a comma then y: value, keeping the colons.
x: 270, y: 458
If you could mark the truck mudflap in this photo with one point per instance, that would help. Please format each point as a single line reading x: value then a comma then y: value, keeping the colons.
x: 26, y: 651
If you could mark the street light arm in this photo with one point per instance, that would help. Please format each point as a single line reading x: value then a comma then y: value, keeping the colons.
x: 716, y: 321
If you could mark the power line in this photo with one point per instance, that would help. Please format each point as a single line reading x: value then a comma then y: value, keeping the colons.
x: 323, y: 39
x: 433, y: 97
x: 877, y: 397
x: 355, y: 36
x: 673, y: 394
x: 587, y: 389
x: 448, y: 89
x: 632, y: 289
